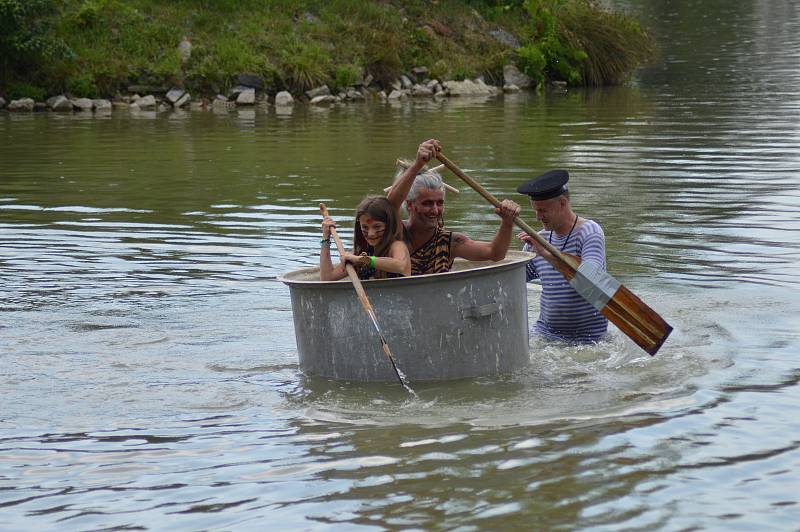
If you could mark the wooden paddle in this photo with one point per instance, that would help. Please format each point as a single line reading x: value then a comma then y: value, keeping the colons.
x: 621, y: 306
x: 362, y: 296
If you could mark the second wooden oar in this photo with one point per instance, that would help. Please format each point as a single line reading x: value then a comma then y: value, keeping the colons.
x: 630, y: 314
x: 362, y: 296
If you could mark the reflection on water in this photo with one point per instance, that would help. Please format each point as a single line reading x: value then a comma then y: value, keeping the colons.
x: 149, y: 368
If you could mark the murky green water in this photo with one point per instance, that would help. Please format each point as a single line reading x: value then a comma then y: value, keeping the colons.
x: 149, y: 371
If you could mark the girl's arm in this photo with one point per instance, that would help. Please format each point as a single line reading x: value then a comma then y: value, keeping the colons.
x: 327, y: 271
x: 398, y: 260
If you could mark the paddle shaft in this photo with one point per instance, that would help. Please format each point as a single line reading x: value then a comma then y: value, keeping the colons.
x: 362, y: 297
x: 566, y: 264
x: 624, y: 309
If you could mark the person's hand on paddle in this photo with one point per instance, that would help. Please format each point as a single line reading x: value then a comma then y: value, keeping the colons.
x: 508, y: 210
x: 327, y: 224
x: 358, y: 261
x: 541, y: 250
x: 428, y: 150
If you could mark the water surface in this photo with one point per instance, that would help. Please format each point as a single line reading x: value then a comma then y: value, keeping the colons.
x: 149, y: 372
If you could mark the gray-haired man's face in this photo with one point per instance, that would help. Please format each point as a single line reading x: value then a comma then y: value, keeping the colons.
x: 427, y: 209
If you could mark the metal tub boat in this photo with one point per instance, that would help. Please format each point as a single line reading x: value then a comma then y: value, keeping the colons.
x: 469, y: 322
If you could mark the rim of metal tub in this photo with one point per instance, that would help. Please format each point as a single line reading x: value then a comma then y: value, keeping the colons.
x: 461, y: 267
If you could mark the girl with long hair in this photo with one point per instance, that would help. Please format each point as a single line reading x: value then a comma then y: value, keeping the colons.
x: 379, y: 251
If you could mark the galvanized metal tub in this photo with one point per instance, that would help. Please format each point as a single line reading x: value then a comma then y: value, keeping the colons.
x: 469, y: 322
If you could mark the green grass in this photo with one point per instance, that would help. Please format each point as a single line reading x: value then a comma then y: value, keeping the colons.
x: 298, y: 44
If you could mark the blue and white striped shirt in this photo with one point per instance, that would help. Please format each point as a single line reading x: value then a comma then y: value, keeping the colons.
x: 565, y: 315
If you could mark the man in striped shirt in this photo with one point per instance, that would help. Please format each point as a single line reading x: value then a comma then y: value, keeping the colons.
x: 564, y: 315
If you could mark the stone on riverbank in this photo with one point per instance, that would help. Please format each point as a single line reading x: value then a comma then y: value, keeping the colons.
x: 421, y: 90
x: 420, y: 72
x: 319, y: 91
x: 23, y: 104
x: 82, y: 104
x: 146, y: 102
x: 510, y: 88
x: 174, y: 95
x: 323, y: 99
x: 469, y: 88
x: 246, y: 97
x: 59, y: 103
x: 2, y: 103
x: 353, y: 94
x: 182, y: 101
x: 395, y: 95
x: 513, y: 76
x: 101, y: 106
x: 284, y: 98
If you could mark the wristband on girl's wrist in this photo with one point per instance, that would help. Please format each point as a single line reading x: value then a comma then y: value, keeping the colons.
x: 325, y: 241
x: 372, y: 261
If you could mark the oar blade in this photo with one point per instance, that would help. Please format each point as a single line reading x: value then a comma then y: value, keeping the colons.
x: 621, y: 306
x: 639, y: 322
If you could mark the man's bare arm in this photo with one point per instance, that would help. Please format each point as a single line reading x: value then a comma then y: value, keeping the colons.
x: 465, y: 247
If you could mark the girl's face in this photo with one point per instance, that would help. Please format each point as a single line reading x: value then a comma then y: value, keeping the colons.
x: 373, y: 230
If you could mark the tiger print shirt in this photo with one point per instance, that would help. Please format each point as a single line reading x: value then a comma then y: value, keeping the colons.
x: 434, y: 255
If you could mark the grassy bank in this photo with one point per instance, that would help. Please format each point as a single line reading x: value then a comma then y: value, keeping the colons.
x: 97, y: 48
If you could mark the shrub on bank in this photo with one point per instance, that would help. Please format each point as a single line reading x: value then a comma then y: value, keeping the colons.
x: 579, y: 42
x: 97, y: 48
x: 26, y: 42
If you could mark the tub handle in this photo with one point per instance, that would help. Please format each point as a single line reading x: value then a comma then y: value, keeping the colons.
x: 480, y: 311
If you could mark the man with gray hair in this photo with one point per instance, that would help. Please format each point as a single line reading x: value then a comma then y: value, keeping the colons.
x: 432, y: 248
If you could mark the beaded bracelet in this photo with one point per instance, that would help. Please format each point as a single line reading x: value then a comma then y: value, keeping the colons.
x: 325, y: 241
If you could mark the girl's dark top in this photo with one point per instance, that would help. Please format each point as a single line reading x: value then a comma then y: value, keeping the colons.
x: 434, y: 255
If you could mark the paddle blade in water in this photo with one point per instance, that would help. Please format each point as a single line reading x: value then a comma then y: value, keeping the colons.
x: 639, y: 322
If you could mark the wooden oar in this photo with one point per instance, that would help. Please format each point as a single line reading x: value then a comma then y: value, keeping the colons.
x: 362, y: 296
x: 633, y: 317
